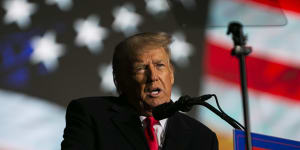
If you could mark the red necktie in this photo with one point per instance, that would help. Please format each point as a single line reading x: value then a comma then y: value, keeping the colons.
x: 150, y: 134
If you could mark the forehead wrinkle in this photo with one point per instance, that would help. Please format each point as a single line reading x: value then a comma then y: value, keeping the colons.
x: 155, y: 61
x: 140, y: 55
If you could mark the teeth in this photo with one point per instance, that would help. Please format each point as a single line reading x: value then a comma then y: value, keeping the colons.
x: 154, y: 92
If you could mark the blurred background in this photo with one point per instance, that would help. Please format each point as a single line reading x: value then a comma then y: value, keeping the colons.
x: 53, y: 51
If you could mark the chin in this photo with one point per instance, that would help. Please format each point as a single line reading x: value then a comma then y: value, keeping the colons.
x: 157, y: 103
x: 153, y: 102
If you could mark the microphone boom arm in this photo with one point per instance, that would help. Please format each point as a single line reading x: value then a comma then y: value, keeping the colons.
x: 185, y: 104
x: 223, y: 116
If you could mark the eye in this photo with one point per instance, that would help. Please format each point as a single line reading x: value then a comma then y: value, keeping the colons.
x: 160, y: 65
x: 139, y: 69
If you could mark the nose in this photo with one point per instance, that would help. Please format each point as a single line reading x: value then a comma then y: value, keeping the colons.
x: 152, y: 74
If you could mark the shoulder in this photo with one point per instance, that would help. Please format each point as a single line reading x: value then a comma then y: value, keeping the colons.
x: 192, y: 124
x: 93, y: 104
x: 91, y: 101
x: 189, y: 129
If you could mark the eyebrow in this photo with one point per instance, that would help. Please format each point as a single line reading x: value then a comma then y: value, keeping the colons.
x: 137, y: 61
x: 159, y: 61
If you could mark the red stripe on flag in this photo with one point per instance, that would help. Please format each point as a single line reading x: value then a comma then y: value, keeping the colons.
x: 272, y: 3
x: 290, y: 5
x: 257, y: 148
x: 263, y: 75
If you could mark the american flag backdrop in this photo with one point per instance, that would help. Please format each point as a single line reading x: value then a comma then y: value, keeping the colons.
x: 52, y: 51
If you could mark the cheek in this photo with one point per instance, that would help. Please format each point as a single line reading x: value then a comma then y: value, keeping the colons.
x: 138, y: 87
x: 169, y: 86
x: 139, y: 78
x: 170, y: 80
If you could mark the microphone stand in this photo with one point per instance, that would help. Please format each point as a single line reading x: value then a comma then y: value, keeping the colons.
x: 224, y: 116
x: 240, y: 50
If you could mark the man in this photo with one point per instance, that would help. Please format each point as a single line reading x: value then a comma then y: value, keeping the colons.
x: 144, y: 76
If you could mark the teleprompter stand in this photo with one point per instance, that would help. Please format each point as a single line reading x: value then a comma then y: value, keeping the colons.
x: 240, y: 50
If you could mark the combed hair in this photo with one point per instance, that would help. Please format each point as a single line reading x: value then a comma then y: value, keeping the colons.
x: 137, y: 42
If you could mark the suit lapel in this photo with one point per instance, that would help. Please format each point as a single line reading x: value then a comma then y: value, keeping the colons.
x: 178, y: 134
x: 127, y: 120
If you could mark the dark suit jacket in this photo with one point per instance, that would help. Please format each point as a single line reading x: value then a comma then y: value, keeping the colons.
x: 109, y: 123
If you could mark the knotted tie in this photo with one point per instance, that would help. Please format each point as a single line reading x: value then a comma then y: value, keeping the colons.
x: 150, y: 133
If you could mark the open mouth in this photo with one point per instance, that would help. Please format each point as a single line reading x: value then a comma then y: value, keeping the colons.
x: 154, y: 92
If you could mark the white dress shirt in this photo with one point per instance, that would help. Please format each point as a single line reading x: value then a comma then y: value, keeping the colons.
x: 159, y: 129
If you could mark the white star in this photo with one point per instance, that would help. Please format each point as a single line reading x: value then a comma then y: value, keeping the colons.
x: 47, y: 51
x: 155, y: 7
x: 180, y: 50
x: 90, y: 34
x: 126, y: 20
x: 18, y: 11
x: 107, y: 82
x: 64, y: 5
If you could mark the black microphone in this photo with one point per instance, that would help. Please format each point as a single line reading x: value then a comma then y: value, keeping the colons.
x: 184, y: 103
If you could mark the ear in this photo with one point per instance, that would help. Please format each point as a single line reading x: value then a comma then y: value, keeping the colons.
x: 172, y: 73
x: 172, y: 78
x: 117, y: 85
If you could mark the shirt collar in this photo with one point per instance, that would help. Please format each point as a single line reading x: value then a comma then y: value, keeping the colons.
x: 161, y: 122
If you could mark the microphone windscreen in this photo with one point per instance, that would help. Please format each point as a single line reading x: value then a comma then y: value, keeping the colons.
x: 162, y: 111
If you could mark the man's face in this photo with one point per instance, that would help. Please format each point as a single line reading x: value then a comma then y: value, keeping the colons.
x: 151, y: 79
